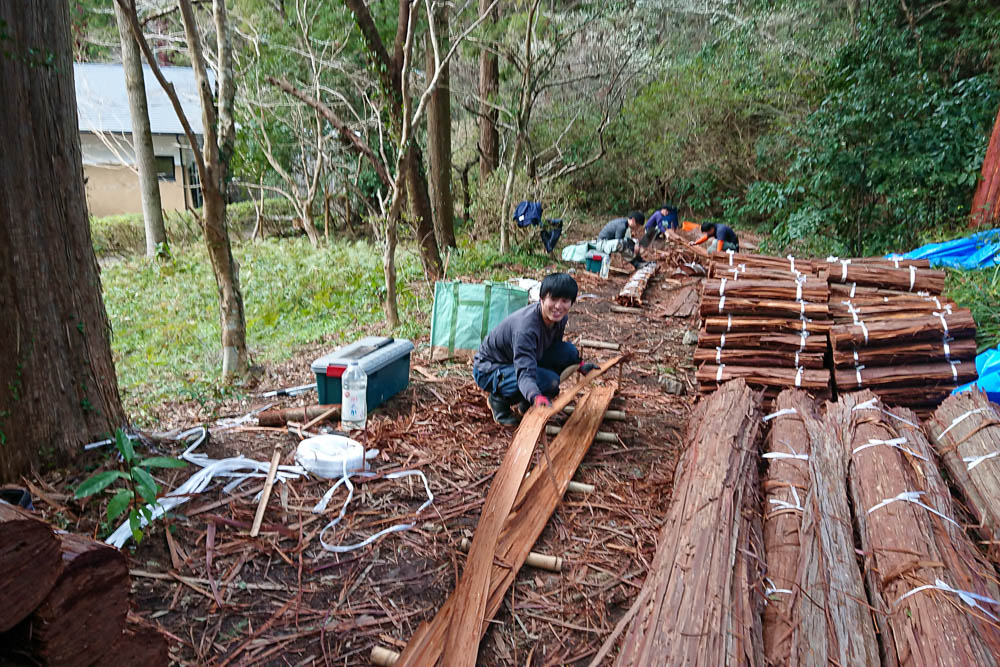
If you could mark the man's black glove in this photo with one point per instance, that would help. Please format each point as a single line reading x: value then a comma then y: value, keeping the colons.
x: 586, y: 367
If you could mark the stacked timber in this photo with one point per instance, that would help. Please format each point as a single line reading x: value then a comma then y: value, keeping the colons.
x: 682, y: 258
x: 700, y: 603
x: 816, y: 611
x: 965, y: 431
x: 764, y: 320
x: 631, y: 294
x: 894, y: 333
x: 933, y: 596
x: 65, y: 599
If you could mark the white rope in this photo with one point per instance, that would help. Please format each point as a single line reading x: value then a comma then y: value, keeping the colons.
x: 843, y: 272
x: 944, y: 322
x: 969, y: 598
x: 959, y: 419
x: 947, y: 348
x: 857, y: 372
x: 729, y: 324
x: 718, y: 373
x: 781, y: 504
x: 730, y: 253
x: 854, y: 287
x: 864, y: 330
x: 722, y: 287
x: 913, y: 276
x: 972, y: 461
x: 791, y: 263
x: 954, y: 370
x: 722, y: 341
x: 912, y: 497
x: 872, y: 404
x: 802, y: 309
x: 780, y: 413
x: 771, y: 589
x: 798, y: 372
x: 722, y: 303
x: 718, y: 355
x: 803, y: 337
x: 797, y: 354
x: 896, y: 443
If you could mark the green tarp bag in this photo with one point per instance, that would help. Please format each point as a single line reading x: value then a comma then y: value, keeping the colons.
x: 465, y: 312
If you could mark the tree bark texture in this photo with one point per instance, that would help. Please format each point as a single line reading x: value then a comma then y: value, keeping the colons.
x: 489, y: 85
x: 30, y: 563
x: 439, y: 136
x: 142, y: 138
x: 57, y: 380
x: 420, y: 204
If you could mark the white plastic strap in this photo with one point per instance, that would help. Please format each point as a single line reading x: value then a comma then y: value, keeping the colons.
x: 944, y: 322
x: 345, y: 480
x: 718, y: 355
x: 972, y: 461
x: 729, y: 324
x: 722, y: 287
x: 843, y: 270
x: 913, y: 276
x: 798, y: 372
x: 857, y: 372
x: 781, y: 504
x: 722, y: 303
x: 937, y: 302
x: 895, y: 260
x: 864, y: 329
x: 790, y: 454
x: 954, y: 371
x: 722, y: 340
x: 771, y: 589
x: 797, y: 353
x: 959, y: 419
x: 730, y: 253
x: 947, y: 348
x: 798, y: 291
x: 780, y: 413
x: 718, y: 373
x: 854, y: 287
x: 872, y: 404
x: 969, y: 598
x: 803, y: 337
x: 896, y: 443
x: 856, y: 360
x: 912, y: 497
x: 791, y: 263
x: 802, y: 309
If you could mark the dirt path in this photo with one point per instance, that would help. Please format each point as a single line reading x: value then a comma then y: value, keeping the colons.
x: 287, y: 601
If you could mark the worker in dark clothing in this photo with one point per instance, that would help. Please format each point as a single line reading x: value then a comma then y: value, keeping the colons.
x: 520, y: 360
x: 663, y: 219
x: 628, y: 230
x: 723, y: 234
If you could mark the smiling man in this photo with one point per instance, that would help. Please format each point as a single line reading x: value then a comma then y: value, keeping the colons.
x: 520, y: 360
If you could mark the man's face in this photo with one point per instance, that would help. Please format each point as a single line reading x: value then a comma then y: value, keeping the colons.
x: 664, y: 211
x: 554, y: 309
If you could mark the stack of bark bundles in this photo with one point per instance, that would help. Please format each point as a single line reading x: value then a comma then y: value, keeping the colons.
x: 816, y: 611
x: 934, y: 598
x: 894, y: 333
x: 965, y: 431
x: 764, y: 320
x: 701, y: 602
x: 65, y: 599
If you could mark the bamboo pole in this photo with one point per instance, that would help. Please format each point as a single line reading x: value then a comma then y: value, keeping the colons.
x: 265, y: 495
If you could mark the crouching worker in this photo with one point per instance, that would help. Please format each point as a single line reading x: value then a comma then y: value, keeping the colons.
x: 520, y: 360
x: 629, y: 230
x: 723, y: 235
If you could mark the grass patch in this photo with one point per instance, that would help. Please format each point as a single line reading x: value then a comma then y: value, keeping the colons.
x: 979, y: 291
x: 165, y: 318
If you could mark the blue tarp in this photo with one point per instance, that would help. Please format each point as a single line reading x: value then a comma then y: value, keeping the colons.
x: 979, y: 251
x: 988, y: 367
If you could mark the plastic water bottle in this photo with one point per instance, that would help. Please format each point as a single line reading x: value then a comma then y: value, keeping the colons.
x: 605, y: 263
x: 353, y: 402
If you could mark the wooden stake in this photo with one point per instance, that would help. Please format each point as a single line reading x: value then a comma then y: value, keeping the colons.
x: 535, y: 559
x: 599, y: 344
x: 266, y: 493
x: 610, y: 415
x: 384, y: 657
x: 601, y: 436
x: 580, y: 487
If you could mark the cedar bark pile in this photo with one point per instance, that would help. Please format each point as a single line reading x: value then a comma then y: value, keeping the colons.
x: 631, y: 294
x: 965, y: 431
x: 700, y: 603
x: 765, y: 320
x: 911, y: 542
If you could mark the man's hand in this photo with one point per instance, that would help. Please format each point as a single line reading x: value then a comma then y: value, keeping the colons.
x: 542, y: 400
x: 586, y: 367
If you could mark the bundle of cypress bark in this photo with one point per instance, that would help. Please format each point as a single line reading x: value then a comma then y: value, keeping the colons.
x: 764, y: 320
x: 934, y: 597
x: 700, y: 603
x: 965, y: 431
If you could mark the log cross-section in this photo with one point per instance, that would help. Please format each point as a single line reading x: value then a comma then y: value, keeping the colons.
x: 29, y: 563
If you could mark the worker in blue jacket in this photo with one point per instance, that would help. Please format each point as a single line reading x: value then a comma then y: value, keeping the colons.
x: 520, y: 361
x: 723, y: 235
x: 663, y: 219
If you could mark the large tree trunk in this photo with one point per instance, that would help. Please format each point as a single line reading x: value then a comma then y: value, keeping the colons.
x: 57, y: 380
x: 439, y: 137
x: 489, y: 84
x: 142, y: 139
x: 420, y: 202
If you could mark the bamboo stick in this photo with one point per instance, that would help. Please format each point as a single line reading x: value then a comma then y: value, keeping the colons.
x: 600, y: 436
x: 535, y: 559
x: 265, y: 495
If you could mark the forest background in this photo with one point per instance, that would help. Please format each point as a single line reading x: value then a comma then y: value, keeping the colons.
x: 843, y: 127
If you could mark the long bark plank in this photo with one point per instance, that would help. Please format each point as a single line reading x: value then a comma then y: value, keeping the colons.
x: 776, y: 358
x: 910, y: 279
x: 774, y: 377
x: 712, y: 305
x: 696, y: 606
x: 958, y: 324
x: 471, y: 594
x: 913, y: 375
x: 791, y: 325
x: 906, y: 354
x: 793, y: 265
x: 810, y: 289
x: 965, y: 431
x: 764, y: 341
x: 29, y: 563
x: 902, y: 542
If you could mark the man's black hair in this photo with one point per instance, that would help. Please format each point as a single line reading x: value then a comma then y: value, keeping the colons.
x: 560, y: 286
x: 637, y: 216
x: 708, y: 226
x: 667, y: 206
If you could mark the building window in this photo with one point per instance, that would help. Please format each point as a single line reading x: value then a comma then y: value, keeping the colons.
x: 165, y: 168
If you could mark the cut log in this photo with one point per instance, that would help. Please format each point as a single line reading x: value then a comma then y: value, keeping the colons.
x: 793, y: 265
x: 785, y: 487
x: 631, y: 294
x: 905, y: 354
x: 910, y: 544
x: 873, y: 309
x: 958, y: 324
x: 453, y: 635
x: 846, y: 290
x: 29, y: 563
x: 915, y: 376
x: 832, y: 622
x: 729, y: 324
x: 139, y: 646
x: 773, y: 377
x: 700, y: 604
x: 84, y: 613
x: 965, y: 431
x: 811, y: 289
x: 302, y: 415
x: 741, y: 357
x: 909, y: 279
x: 712, y: 305
x: 882, y: 261
x: 764, y: 341
x: 744, y: 272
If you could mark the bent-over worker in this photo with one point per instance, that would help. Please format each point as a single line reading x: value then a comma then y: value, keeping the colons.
x: 520, y: 360
x: 629, y: 231
x: 662, y: 219
x: 723, y: 234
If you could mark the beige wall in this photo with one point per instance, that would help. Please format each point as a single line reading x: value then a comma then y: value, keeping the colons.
x: 115, y: 189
